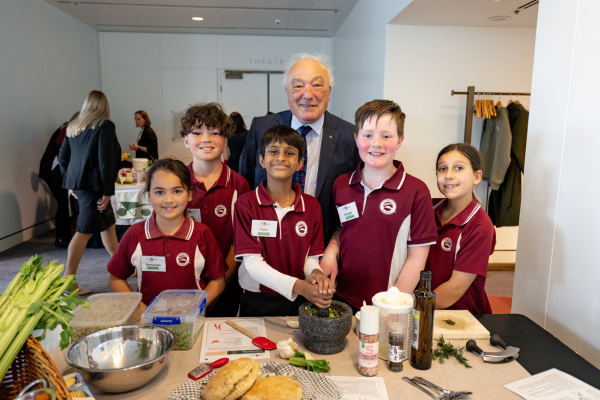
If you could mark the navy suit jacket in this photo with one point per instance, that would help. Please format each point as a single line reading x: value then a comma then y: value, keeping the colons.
x: 339, y: 156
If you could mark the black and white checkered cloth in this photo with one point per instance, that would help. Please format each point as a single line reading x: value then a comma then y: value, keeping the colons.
x: 314, y: 386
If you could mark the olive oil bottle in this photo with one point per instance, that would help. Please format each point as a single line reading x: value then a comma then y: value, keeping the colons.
x: 422, y: 333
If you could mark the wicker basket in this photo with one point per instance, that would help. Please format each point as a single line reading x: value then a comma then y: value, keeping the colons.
x: 32, y: 362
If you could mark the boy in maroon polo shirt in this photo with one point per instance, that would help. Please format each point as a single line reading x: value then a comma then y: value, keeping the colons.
x: 278, y: 234
x: 387, y: 223
x: 169, y: 250
x: 205, y: 129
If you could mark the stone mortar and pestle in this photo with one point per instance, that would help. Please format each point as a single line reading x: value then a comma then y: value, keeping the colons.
x: 324, y: 335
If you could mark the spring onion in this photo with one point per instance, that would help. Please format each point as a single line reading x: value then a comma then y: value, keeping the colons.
x: 306, y: 360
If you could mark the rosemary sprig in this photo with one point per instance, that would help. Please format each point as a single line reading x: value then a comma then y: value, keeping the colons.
x: 445, y: 350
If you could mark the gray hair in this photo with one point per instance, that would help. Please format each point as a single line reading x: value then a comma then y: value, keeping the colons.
x: 301, y: 56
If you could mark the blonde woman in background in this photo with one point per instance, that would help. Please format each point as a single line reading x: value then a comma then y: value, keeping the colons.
x: 89, y: 161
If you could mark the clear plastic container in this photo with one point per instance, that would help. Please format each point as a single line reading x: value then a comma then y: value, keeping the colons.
x: 106, y: 310
x: 180, y: 310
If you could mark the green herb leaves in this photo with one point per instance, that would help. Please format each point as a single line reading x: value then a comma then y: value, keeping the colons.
x: 305, y: 360
x: 445, y: 350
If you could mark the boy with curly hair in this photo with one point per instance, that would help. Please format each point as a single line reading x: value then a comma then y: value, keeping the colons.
x: 205, y: 129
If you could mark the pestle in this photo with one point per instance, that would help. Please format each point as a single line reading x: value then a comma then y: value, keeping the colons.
x: 323, y: 312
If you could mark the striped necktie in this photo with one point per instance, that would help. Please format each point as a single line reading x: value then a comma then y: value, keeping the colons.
x: 300, y: 176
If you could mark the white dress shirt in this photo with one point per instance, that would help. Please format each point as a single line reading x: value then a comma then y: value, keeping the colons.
x: 254, y: 270
x: 313, y: 149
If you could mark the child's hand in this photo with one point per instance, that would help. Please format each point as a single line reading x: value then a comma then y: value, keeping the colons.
x: 329, y: 265
x: 325, y: 285
x: 311, y: 293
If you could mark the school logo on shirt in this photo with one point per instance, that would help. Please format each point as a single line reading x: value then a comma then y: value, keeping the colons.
x: 182, y: 259
x: 221, y: 211
x: 447, y: 244
x: 301, y: 229
x: 388, y: 206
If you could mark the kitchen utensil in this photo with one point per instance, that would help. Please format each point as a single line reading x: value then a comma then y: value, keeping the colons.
x: 323, y: 312
x: 261, y: 342
x: 325, y: 335
x: 508, y: 353
x: 206, y: 368
x: 450, y: 394
x: 122, y: 358
x: 415, y: 384
x: 45, y: 393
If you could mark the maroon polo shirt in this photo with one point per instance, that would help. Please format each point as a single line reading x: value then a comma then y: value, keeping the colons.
x: 374, y: 246
x: 217, y: 204
x: 464, y: 244
x: 192, y: 257
x: 299, y: 235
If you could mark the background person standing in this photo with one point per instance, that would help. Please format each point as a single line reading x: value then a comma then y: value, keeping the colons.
x: 147, y: 142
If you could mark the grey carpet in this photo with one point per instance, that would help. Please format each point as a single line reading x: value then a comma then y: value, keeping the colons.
x: 91, y: 275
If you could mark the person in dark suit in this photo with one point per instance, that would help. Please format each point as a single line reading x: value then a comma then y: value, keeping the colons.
x: 330, y: 146
x: 50, y: 173
x: 147, y: 142
x: 89, y: 160
x: 236, y: 141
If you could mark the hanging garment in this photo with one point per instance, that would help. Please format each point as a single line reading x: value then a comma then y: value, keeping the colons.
x: 495, y: 148
x: 505, y: 203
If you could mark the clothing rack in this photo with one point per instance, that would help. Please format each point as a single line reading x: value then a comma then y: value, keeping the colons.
x: 471, y: 104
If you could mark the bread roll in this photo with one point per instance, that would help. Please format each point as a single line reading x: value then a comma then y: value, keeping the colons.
x: 274, y: 388
x: 232, y: 380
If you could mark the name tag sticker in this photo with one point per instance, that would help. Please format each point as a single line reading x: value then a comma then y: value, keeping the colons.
x: 194, y: 213
x: 348, y: 212
x: 261, y: 228
x: 154, y: 264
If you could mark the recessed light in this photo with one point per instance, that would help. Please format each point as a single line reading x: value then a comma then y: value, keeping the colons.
x: 198, y: 18
x: 499, y: 18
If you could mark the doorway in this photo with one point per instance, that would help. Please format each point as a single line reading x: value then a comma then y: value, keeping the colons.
x: 251, y: 93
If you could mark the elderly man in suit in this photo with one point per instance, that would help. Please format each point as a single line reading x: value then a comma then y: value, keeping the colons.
x: 330, y: 147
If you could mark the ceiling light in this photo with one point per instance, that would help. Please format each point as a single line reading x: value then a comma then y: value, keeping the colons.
x: 198, y: 18
x: 499, y: 18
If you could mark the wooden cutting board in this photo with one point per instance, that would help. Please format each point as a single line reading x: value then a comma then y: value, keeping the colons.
x: 458, y: 325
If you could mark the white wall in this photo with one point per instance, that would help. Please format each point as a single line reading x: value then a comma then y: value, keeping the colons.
x: 359, y: 55
x: 49, y: 62
x: 557, y: 262
x: 423, y: 64
x: 162, y: 73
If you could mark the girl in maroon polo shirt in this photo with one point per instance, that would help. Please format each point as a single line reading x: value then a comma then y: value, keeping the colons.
x: 169, y: 250
x: 466, y: 235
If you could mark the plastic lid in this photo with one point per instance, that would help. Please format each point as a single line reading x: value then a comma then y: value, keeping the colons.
x: 107, y: 309
x: 369, y: 320
x: 425, y: 275
x: 174, y: 307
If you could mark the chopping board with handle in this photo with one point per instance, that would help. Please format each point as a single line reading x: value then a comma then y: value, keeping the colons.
x: 260, y: 341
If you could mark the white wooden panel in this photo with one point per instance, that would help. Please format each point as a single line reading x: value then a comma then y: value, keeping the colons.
x: 277, y: 95
x: 189, y: 51
x: 248, y: 96
x: 129, y: 90
x: 185, y: 87
x: 131, y: 49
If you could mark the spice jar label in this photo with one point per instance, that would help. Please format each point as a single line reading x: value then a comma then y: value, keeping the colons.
x: 368, y: 354
x: 395, y: 354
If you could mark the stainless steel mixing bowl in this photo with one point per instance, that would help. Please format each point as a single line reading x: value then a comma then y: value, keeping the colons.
x: 122, y: 358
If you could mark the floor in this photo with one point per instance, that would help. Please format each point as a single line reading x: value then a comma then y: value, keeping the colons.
x: 92, y: 272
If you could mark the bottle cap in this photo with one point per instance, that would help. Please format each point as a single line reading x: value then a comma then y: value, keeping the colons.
x: 369, y: 320
x: 425, y: 275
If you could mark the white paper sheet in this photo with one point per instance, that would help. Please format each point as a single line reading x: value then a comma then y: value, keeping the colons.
x: 553, y: 385
x: 221, y: 340
x: 355, y: 388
